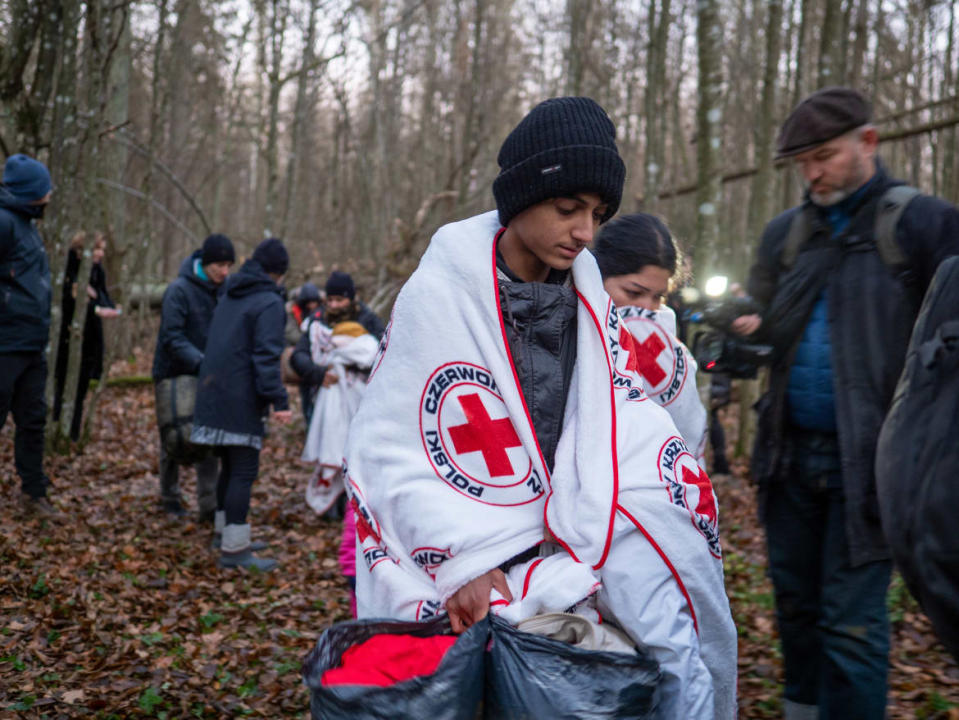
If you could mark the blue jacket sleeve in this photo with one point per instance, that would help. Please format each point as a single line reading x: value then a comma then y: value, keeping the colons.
x: 175, y: 312
x: 268, y: 343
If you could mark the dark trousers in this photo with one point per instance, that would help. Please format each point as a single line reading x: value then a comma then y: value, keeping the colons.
x: 717, y: 439
x: 239, y: 466
x: 23, y: 379
x: 206, y: 480
x: 832, y: 617
x: 308, y: 402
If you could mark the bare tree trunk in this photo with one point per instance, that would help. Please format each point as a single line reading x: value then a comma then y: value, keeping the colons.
x: 861, y: 29
x: 950, y: 188
x: 278, y: 17
x: 761, y: 195
x: 709, y: 38
x: 299, y: 116
x: 829, y: 54
x: 577, y: 13
x: 655, y: 101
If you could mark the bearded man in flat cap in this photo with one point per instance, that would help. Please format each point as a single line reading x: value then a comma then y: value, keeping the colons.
x: 840, y: 279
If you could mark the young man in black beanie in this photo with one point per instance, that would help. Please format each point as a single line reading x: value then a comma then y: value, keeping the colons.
x: 504, y: 458
x: 239, y: 381
x: 186, y: 314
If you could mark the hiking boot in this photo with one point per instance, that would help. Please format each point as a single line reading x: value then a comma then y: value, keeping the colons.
x: 174, y: 508
x: 236, y: 550
x: 39, y: 507
x: 255, y: 545
x: 247, y: 560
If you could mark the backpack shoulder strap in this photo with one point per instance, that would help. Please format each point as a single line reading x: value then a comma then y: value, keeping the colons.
x: 799, y: 231
x: 890, y: 208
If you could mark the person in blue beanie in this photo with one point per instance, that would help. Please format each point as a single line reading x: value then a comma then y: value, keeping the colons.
x: 239, y: 380
x: 25, y: 322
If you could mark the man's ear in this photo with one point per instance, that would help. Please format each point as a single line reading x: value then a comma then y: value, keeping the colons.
x: 870, y: 138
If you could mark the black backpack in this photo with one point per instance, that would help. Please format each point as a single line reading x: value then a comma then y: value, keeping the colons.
x: 889, y: 209
x: 917, y: 459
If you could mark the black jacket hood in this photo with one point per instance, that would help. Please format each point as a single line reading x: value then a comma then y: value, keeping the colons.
x: 186, y: 271
x: 251, y: 278
x: 9, y: 201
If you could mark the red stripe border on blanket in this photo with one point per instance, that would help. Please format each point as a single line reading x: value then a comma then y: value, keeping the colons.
x: 672, y: 569
x: 529, y: 576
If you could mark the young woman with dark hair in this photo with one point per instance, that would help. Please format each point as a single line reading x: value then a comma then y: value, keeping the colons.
x: 638, y: 260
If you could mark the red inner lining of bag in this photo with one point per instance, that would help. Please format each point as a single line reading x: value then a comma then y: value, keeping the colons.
x: 385, y: 660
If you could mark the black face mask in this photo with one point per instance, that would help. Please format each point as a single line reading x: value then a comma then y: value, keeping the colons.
x: 33, y: 211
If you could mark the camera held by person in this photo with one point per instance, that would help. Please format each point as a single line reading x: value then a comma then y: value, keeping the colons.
x: 717, y: 349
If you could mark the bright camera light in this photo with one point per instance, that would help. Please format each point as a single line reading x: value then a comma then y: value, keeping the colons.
x: 716, y: 285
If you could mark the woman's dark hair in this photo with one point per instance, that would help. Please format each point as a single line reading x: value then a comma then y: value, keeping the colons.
x: 630, y: 242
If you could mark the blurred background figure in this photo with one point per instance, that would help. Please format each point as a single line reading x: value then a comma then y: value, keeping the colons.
x: 187, y: 311
x: 99, y: 306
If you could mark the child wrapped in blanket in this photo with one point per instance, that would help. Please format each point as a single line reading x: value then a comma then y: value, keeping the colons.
x: 348, y: 350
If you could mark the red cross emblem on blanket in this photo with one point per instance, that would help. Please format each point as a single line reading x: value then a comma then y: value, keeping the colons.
x: 470, y: 439
x: 483, y: 434
x: 642, y: 356
x: 706, y: 504
x: 689, y: 487
x: 653, y: 354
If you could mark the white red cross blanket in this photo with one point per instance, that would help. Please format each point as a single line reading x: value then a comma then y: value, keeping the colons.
x: 334, y: 408
x: 448, y: 480
x: 668, y: 370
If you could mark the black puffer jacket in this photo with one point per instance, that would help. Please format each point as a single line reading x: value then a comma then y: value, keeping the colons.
x: 24, y: 279
x: 540, y: 321
x: 240, y: 373
x: 188, y: 305
x: 871, y: 314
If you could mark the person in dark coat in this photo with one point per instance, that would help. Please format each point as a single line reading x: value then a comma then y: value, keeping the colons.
x: 840, y: 319
x: 187, y: 311
x: 25, y: 322
x: 100, y: 305
x: 239, y: 380
x: 341, y: 306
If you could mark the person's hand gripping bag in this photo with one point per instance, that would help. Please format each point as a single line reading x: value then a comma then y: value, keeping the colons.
x: 386, y: 669
x: 534, y: 677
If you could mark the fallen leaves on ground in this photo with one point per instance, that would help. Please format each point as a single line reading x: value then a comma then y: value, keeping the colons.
x: 923, y: 677
x: 119, y: 611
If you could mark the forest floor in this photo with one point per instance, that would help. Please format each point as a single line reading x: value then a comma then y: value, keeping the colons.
x: 118, y: 611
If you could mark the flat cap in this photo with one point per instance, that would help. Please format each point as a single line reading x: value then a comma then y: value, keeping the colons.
x: 824, y: 115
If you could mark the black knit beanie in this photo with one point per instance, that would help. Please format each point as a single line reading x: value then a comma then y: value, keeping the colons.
x: 272, y: 256
x: 563, y: 146
x: 340, y: 284
x: 217, y: 248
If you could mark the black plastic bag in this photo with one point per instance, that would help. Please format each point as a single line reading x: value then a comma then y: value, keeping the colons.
x: 535, y: 677
x: 453, y: 692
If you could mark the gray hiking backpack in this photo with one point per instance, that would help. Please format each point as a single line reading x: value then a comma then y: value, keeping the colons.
x: 890, y: 208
